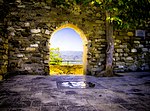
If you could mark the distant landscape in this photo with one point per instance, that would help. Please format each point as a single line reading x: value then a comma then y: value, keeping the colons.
x: 74, y: 57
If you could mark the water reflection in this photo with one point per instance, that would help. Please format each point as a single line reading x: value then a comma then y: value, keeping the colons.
x: 69, y: 84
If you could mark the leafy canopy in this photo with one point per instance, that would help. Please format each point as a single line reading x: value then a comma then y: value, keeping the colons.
x: 123, y: 13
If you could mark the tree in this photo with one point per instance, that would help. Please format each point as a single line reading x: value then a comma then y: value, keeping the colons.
x: 121, y: 14
x: 55, y: 56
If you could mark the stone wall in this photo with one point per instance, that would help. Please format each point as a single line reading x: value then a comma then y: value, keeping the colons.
x: 3, y: 42
x: 25, y: 46
x: 3, y: 53
x: 30, y: 26
x: 132, y: 53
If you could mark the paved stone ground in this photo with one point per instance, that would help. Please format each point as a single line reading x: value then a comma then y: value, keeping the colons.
x: 130, y: 92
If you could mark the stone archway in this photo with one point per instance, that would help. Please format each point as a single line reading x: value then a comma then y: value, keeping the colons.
x: 83, y: 37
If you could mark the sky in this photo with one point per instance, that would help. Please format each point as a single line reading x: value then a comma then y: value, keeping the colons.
x: 67, y: 40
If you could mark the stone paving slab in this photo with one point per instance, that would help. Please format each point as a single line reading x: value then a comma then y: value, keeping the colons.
x: 127, y: 92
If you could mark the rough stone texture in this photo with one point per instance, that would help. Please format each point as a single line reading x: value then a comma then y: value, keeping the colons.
x: 133, y: 51
x: 30, y: 25
x: 3, y: 45
x: 129, y: 92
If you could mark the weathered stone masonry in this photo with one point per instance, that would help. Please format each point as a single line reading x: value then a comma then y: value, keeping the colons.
x: 25, y: 46
x: 30, y: 27
x: 132, y: 53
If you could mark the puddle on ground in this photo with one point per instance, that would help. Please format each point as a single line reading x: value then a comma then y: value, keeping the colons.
x: 75, y: 84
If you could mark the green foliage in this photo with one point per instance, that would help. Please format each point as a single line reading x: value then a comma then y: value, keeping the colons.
x: 55, y: 57
x: 125, y: 13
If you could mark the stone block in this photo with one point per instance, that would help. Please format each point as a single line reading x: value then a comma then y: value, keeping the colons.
x: 28, y: 68
x: 116, y: 46
x: 97, y: 69
x: 37, y: 55
x: 120, y: 66
x: 133, y: 67
x: 3, y: 69
x: 102, y: 60
x: 47, y: 7
x: 5, y: 57
x: 35, y: 60
x: 122, y: 33
x: 118, y: 70
x: 125, y: 54
x: 119, y: 50
x: 25, y: 58
x: 102, y: 55
x: 1, y: 39
x: 130, y: 34
x: 101, y: 32
x: 141, y: 46
x: 10, y: 29
x: 42, y: 31
x: 35, y: 31
x: 38, y: 35
x: 129, y: 59
x: 98, y: 21
x: 27, y: 24
x: 128, y: 64
x: 116, y: 54
x: 34, y: 45
x: 123, y: 58
x: 137, y: 42
x: 126, y: 37
x: 1, y: 77
x: 102, y: 40
x: 121, y: 54
x: 145, y: 49
x: 127, y: 50
x: 133, y: 50
x: 47, y: 32
x: 20, y: 55
x: 118, y: 41
x: 12, y: 33
x: 46, y: 61
x: 18, y: 1
x: 121, y: 46
x: 98, y: 15
x: 97, y: 55
x: 120, y: 63
x: 21, y: 6
x: 102, y: 45
x: 99, y: 63
x: 99, y: 49
x: 30, y: 49
x: 117, y: 58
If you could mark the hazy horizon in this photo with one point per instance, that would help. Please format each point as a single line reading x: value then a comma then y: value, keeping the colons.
x: 69, y: 51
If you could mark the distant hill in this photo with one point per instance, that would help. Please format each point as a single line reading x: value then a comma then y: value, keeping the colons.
x: 74, y: 57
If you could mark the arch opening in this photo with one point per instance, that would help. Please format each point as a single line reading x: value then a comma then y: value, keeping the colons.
x: 68, y: 45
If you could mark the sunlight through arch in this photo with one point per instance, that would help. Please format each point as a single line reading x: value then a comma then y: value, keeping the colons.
x: 79, y: 41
